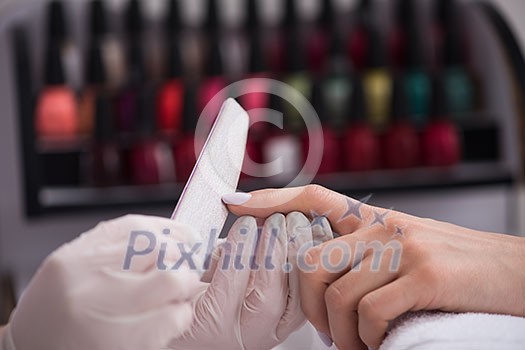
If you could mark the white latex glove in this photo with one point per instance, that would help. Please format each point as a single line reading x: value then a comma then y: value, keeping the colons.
x: 81, y: 297
x: 245, y: 308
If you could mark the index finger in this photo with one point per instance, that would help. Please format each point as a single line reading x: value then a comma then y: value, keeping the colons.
x: 345, y: 214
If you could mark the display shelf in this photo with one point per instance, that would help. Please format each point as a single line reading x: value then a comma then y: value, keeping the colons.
x: 61, y: 198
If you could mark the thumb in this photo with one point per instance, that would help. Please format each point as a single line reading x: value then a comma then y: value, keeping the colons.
x: 345, y: 214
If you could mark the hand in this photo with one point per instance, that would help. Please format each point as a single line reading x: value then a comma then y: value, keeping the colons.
x: 396, y: 263
x: 82, y: 298
x: 248, y: 308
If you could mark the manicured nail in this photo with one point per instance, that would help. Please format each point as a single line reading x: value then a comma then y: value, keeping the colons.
x: 237, y: 198
x: 325, y: 339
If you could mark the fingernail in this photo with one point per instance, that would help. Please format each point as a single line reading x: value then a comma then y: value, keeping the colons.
x: 325, y: 339
x: 237, y: 198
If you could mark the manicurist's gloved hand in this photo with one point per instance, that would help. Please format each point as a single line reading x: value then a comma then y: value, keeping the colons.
x: 92, y: 294
x: 252, y: 301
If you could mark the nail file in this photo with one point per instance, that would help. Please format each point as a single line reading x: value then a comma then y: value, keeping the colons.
x: 215, y: 174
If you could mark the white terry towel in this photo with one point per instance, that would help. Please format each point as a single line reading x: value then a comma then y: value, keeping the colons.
x: 439, y: 330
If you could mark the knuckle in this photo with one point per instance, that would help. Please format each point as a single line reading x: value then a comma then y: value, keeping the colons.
x: 369, y: 307
x: 336, y: 299
x: 316, y: 191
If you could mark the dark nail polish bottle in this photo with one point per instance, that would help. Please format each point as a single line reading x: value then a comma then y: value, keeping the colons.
x: 359, y: 38
x: 185, y: 149
x: 105, y: 165
x: 282, y: 151
x: 58, y: 35
x: 441, y: 144
x: 377, y: 84
x: 126, y: 112
x: 297, y: 74
x: 170, y: 98
x: 331, y: 160
x: 151, y: 159
x: 318, y: 43
x: 95, y: 85
x: 111, y: 48
x: 56, y: 113
x: 336, y: 86
x: 399, y: 40
x: 213, y: 83
x: 360, y: 143
x: 401, y: 141
x: 278, y: 50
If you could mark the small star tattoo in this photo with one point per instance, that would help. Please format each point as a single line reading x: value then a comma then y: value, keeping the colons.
x: 379, y: 218
x: 292, y: 239
x: 398, y: 232
x: 354, y: 207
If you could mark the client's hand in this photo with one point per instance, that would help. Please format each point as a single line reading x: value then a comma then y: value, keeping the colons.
x: 387, y: 263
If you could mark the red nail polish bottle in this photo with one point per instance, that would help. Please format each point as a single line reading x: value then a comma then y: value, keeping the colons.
x: 401, y: 141
x: 441, y: 143
x: 278, y: 49
x: 318, y: 42
x: 360, y: 143
x: 56, y: 114
x: 151, y: 159
x: 359, y: 38
x: 170, y: 97
x: 104, y: 159
x: 331, y: 161
x: 184, y: 151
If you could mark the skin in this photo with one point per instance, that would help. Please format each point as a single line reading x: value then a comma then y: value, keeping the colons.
x: 442, y: 266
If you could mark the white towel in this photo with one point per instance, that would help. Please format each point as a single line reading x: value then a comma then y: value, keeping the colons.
x: 437, y: 331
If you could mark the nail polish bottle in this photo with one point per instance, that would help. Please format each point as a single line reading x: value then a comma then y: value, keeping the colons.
x: 441, y: 145
x: 105, y: 166
x: 401, y: 140
x: 170, y: 98
x: 377, y: 84
x: 418, y: 85
x: 359, y: 38
x: 95, y: 85
x: 126, y: 112
x: 459, y: 88
x: 360, y: 143
x: 318, y: 44
x: 278, y: 49
x: 282, y: 149
x: 56, y: 114
x: 298, y: 78
x: 399, y: 40
x: 336, y: 85
x: 58, y: 35
x: 185, y: 148
x: 213, y: 82
x: 332, y: 157
x: 112, y: 51
x: 151, y: 160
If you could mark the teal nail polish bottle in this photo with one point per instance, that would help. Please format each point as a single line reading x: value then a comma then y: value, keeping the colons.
x: 417, y: 83
x: 459, y: 87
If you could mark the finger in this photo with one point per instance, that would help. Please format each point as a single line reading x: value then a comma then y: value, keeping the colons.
x: 126, y: 293
x: 383, y: 305
x: 211, y: 264
x: 345, y: 214
x: 343, y: 295
x: 299, y: 233
x: 266, y: 300
x: 321, y: 230
x: 227, y: 289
